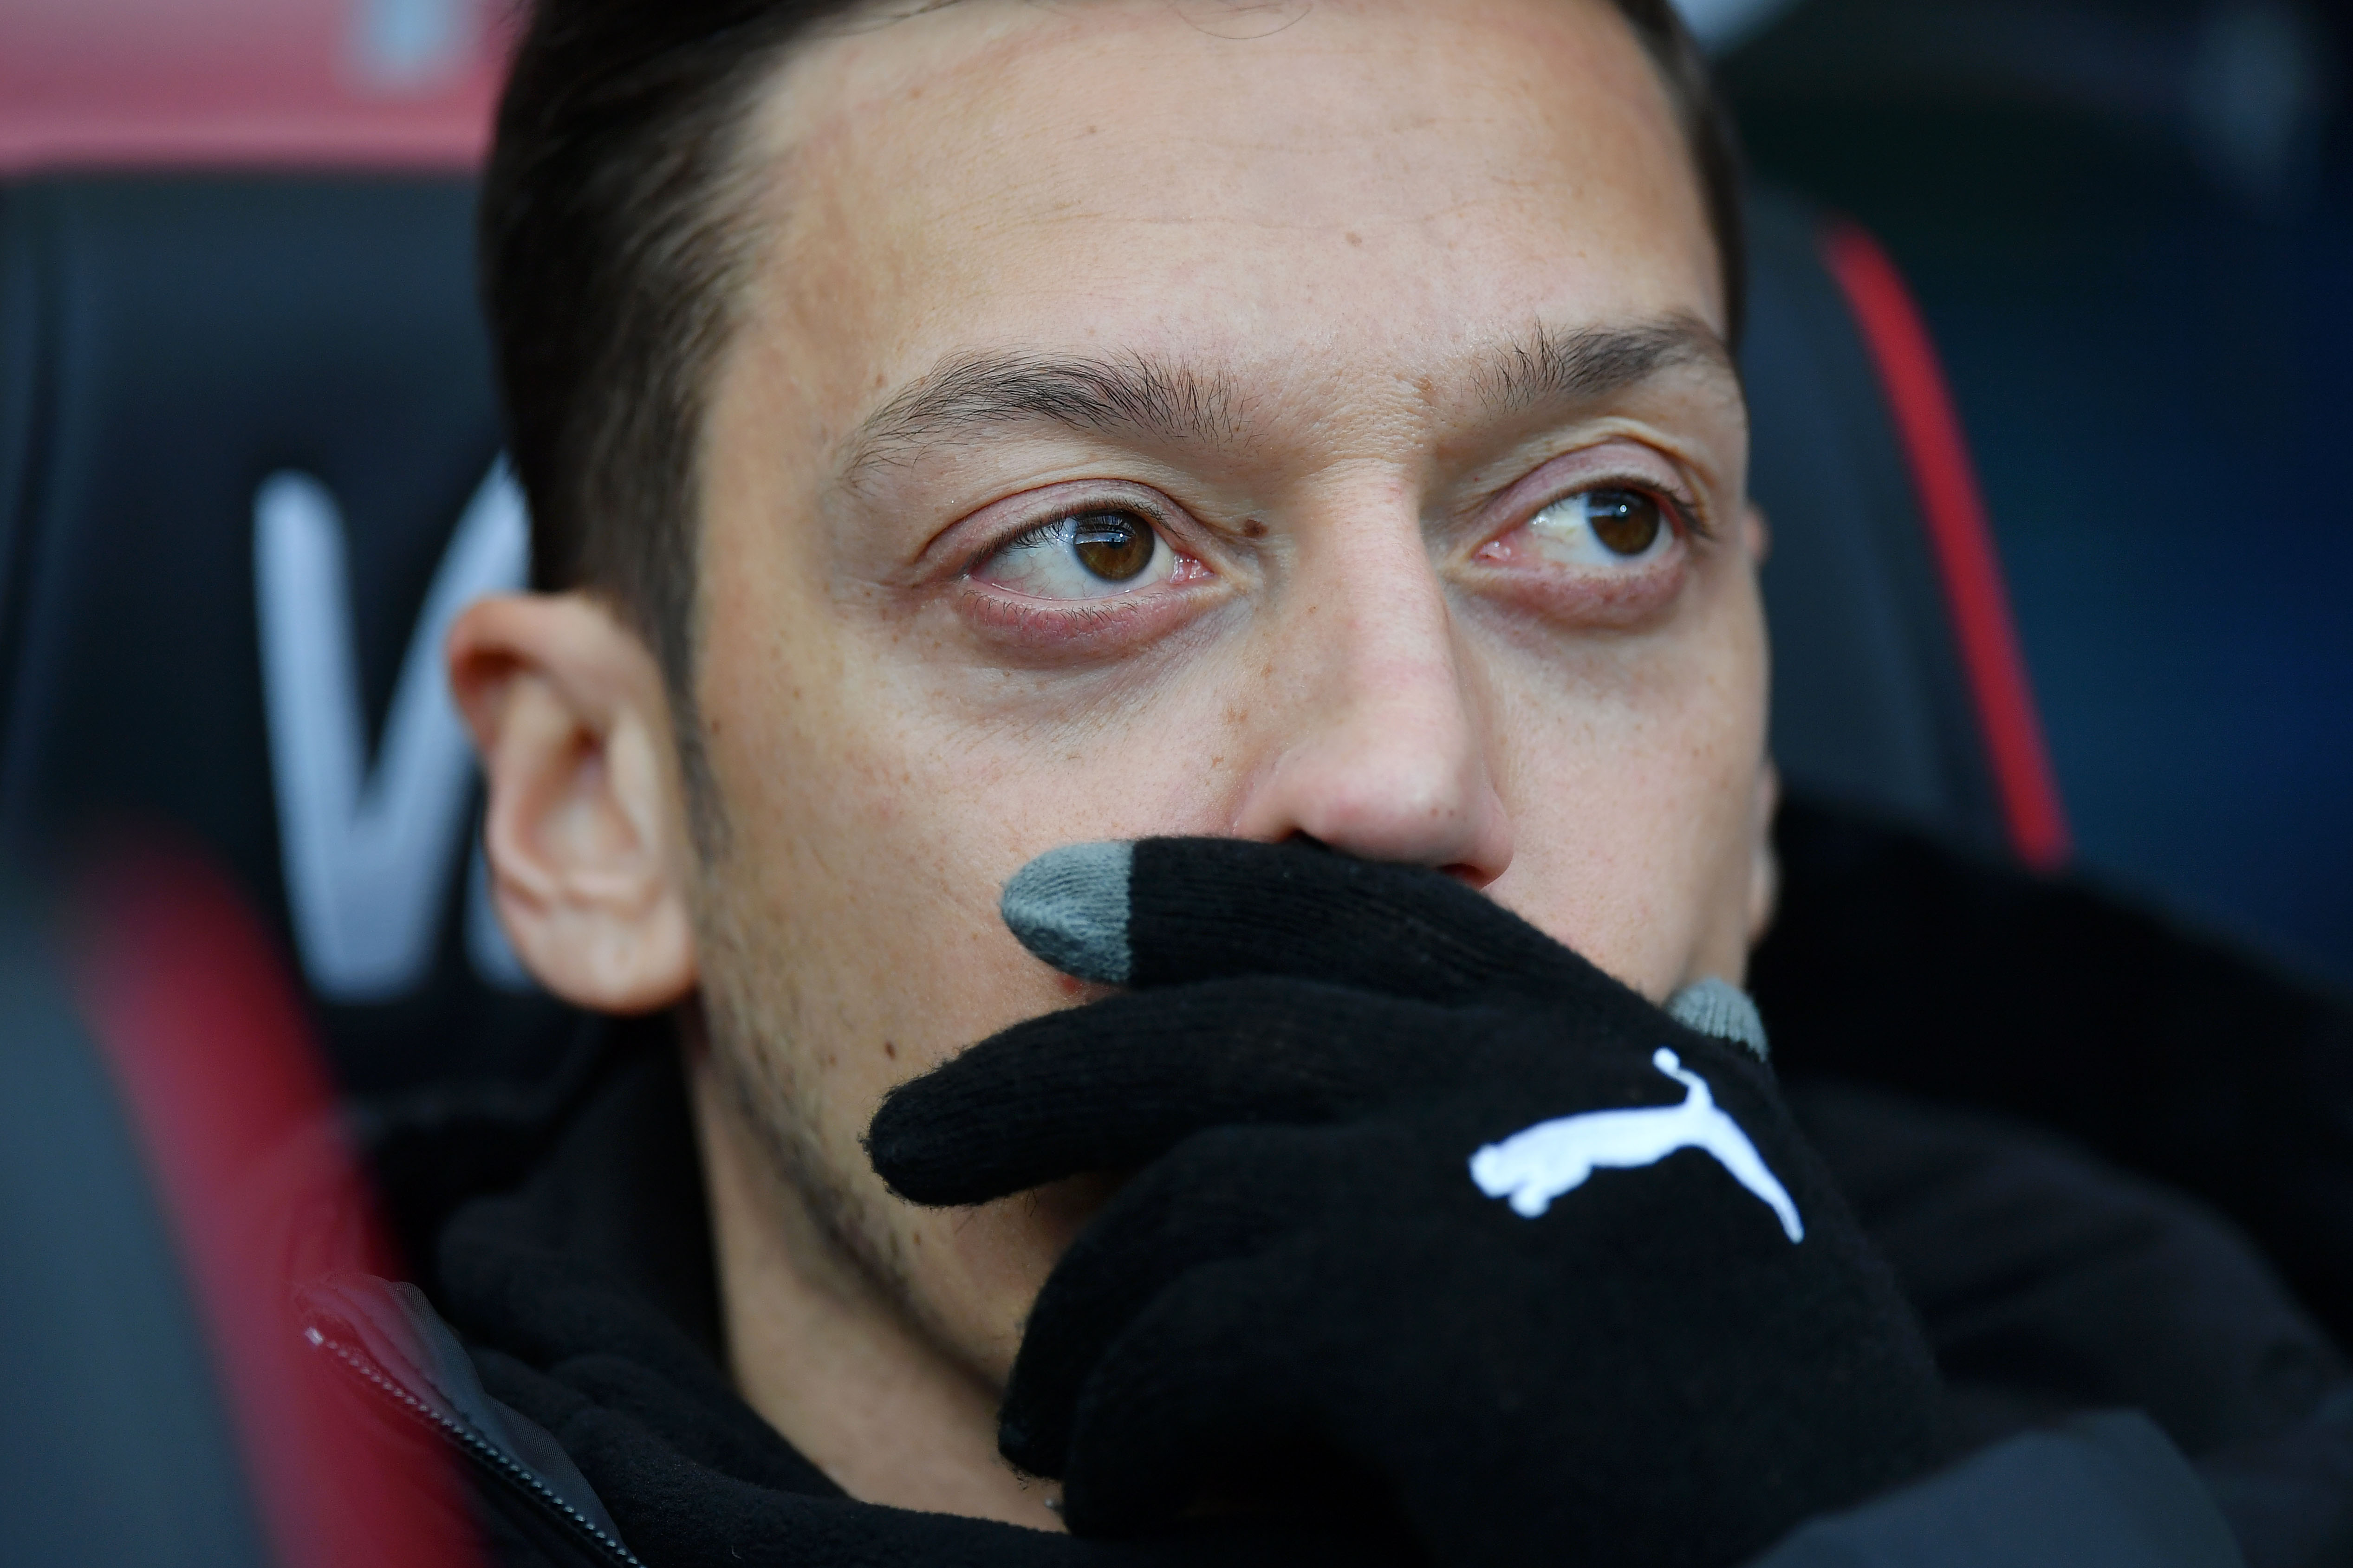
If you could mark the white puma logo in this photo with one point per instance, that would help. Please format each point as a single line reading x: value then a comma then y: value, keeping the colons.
x: 1534, y: 1167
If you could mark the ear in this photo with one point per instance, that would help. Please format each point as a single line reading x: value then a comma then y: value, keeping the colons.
x: 586, y: 829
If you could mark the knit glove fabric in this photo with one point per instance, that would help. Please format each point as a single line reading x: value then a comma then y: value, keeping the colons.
x: 1419, y: 1210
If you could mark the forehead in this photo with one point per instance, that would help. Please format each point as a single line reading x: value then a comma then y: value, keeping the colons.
x: 1336, y: 184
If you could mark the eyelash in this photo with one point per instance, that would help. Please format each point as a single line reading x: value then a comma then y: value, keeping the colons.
x: 1037, y: 533
x: 1685, y: 512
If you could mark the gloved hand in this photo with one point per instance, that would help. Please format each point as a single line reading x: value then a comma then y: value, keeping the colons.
x: 1426, y: 1211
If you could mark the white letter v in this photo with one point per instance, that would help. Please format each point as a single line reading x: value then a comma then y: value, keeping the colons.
x: 367, y: 853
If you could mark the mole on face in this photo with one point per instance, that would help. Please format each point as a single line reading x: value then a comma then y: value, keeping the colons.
x: 1253, y: 529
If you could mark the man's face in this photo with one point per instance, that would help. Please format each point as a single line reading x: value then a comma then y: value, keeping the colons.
x: 1184, y: 417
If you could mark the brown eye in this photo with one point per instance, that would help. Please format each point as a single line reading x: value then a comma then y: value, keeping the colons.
x: 1110, y: 554
x: 1627, y: 523
x: 1114, y: 546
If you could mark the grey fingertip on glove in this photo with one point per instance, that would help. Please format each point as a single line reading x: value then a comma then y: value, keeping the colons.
x: 1069, y: 908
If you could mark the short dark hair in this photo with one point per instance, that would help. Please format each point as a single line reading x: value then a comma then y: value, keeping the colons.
x: 615, y: 234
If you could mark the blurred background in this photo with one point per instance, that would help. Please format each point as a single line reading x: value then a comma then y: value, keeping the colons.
x: 2128, y: 222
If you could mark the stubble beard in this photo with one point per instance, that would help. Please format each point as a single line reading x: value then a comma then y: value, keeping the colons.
x: 751, y: 1044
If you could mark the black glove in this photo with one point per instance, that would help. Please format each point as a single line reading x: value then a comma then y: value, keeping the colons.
x: 1379, y: 1245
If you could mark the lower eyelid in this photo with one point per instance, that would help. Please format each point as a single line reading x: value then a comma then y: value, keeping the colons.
x: 1072, y: 624
x: 1570, y: 601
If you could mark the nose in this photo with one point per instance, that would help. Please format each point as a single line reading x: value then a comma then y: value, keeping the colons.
x: 1382, y: 742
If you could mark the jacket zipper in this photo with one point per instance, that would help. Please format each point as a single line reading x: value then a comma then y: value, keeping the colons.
x: 484, y: 1454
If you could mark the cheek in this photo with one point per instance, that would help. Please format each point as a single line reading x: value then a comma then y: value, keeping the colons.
x: 876, y: 805
x: 1631, y: 783
x: 880, y: 790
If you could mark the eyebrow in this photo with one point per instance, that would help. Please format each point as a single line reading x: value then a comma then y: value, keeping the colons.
x: 964, y: 396
x: 961, y: 398
x: 1551, y: 367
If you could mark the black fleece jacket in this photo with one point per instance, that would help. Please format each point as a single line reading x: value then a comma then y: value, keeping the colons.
x: 2113, y: 1171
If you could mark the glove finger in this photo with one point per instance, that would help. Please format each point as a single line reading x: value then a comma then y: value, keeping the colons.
x: 1220, y: 1196
x: 1663, y: 1341
x: 1114, y: 1085
x: 1169, y: 911
x: 1234, y: 1192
